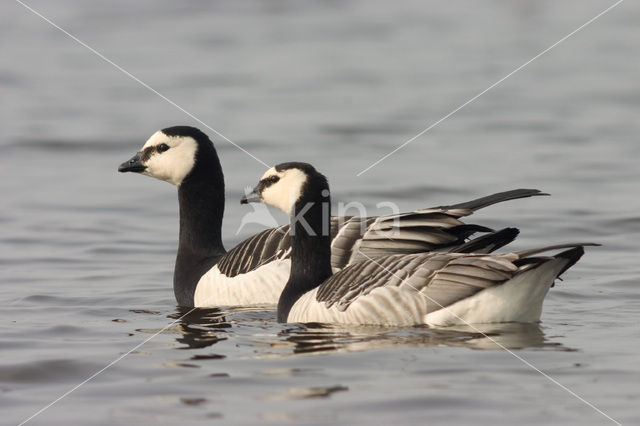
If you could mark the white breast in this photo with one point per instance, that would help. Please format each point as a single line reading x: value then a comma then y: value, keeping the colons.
x: 261, y: 286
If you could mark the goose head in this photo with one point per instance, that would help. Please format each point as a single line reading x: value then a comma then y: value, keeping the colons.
x: 170, y: 154
x: 289, y: 185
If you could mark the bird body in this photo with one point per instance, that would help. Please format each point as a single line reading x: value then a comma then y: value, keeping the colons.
x: 401, y: 289
x: 255, y: 271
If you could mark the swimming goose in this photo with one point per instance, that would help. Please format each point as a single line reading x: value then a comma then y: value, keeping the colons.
x: 255, y: 271
x: 404, y: 289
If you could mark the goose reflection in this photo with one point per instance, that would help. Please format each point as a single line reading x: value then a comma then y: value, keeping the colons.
x: 318, y: 338
x: 200, y: 328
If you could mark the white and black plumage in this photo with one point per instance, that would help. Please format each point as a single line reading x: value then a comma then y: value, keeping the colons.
x: 403, y: 289
x: 255, y: 271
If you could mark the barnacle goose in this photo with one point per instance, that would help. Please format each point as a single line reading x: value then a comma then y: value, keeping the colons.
x: 403, y: 289
x: 256, y: 270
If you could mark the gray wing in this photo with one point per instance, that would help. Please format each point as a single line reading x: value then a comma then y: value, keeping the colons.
x: 354, y: 237
x: 275, y: 244
x: 264, y: 247
x: 443, y: 278
x: 433, y: 229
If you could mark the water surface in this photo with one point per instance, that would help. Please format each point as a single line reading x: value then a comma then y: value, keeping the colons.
x: 87, y: 254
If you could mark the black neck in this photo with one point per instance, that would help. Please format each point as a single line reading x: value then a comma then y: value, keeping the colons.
x: 201, y: 198
x: 310, y: 251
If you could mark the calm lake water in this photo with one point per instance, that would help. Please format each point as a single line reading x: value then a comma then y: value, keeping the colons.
x: 87, y: 254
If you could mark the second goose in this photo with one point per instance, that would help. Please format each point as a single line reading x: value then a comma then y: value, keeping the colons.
x: 404, y: 289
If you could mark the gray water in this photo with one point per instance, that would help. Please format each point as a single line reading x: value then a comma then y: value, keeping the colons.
x: 87, y: 254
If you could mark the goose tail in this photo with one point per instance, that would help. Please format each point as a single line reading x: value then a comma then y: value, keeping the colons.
x: 520, y: 298
x: 572, y: 256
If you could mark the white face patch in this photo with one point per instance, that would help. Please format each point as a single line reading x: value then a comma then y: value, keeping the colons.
x: 172, y: 165
x: 284, y: 193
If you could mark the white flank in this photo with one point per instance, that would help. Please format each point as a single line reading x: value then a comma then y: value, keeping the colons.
x: 261, y: 286
x: 389, y: 306
x: 517, y: 300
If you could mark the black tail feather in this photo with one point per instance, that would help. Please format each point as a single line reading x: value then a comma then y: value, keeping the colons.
x: 573, y: 255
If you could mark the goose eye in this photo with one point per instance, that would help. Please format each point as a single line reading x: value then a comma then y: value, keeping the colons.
x: 163, y: 147
x: 271, y: 180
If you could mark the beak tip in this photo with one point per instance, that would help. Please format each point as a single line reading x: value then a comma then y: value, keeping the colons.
x: 251, y: 198
x: 132, y: 165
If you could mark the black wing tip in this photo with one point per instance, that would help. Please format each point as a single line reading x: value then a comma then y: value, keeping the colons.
x: 526, y: 192
x: 509, y: 234
x: 498, y: 197
x: 467, y: 229
x: 494, y: 240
